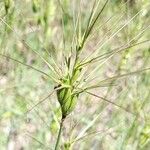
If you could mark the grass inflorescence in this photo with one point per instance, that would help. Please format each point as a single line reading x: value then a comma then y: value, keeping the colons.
x: 76, y: 52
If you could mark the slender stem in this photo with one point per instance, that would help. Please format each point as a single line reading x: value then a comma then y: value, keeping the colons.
x: 59, y: 134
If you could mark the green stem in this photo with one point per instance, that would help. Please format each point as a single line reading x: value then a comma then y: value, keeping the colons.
x: 59, y: 134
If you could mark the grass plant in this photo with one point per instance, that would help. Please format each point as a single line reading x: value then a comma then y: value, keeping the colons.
x: 90, y: 59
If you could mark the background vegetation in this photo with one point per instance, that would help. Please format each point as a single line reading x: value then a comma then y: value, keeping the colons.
x: 116, y: 117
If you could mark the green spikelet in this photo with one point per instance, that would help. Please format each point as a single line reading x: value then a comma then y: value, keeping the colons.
x: 35, y: 6
x: 67, y: 99
x: 7, y: 5
x: 76, y: 74
x: 67, y: 146
x: 145, y: 136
